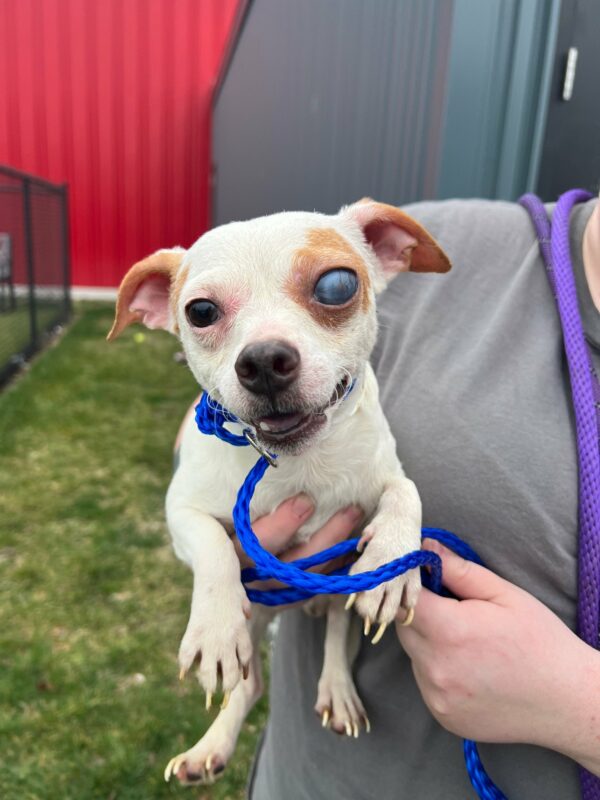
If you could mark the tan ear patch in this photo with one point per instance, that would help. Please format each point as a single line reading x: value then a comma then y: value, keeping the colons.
x: 427, y: 256
x: 162, y: 263
x: 326, y: 249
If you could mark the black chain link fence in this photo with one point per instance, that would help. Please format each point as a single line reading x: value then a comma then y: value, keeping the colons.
x: 34, y: 265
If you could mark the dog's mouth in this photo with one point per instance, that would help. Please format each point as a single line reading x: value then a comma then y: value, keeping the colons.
x: 290, y: 427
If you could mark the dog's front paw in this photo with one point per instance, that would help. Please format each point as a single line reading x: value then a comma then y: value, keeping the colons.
x: 217, y: 639
x: 380, y: 605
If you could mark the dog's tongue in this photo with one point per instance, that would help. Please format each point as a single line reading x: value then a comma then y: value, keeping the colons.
x: 280, y: 423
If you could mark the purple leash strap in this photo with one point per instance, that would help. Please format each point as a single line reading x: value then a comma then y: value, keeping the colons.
x: 554, y: 246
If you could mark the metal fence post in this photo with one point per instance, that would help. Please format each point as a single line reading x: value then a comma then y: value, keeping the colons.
x: 29, y: 256
x: 42, y: 227
x: 66, y: 248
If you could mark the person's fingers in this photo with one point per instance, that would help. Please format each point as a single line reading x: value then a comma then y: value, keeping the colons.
x: 466, y: 579
x: 328, y: 566
x: 433, y: 616
x: 241, y: 554
x: 410, y: 639
x: 336, y: 529
x: 437, y: 618
x: 275, y: 530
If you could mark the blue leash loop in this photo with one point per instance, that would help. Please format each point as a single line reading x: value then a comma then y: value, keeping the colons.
x: 211, y: 419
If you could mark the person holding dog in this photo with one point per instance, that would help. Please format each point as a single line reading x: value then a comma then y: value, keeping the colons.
x: 474, y: 384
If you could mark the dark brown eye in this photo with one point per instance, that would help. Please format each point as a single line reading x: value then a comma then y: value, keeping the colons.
x: 202, y: 313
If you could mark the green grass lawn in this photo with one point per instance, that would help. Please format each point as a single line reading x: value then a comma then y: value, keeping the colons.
x: 15, y: 332
x: 93, y: 602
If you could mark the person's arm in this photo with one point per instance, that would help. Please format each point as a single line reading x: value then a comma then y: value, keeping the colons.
x: 498, y: 666
x: 591, y: 255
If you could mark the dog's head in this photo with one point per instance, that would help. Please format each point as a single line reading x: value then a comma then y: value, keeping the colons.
x: 277, y: 315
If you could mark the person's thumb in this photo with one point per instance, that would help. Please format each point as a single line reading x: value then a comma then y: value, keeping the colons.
x: 276, y: 530
x: 465, y: 579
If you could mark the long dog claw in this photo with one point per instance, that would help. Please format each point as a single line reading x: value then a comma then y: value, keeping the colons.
x: 367, y: 628
x: 410, y: 615
x: 379, y: 634
x: 173, y: 766
x: 208, y: 700
x: 169, y: 770
x: 225, y: 700
x: 350, y: 601
x: 325, y: 718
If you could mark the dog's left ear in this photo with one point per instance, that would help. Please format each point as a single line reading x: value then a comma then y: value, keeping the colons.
x: 145, y: 291
x: 399, y: 242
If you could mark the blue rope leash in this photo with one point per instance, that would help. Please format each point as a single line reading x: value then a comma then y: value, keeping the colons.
x: 211, y: 419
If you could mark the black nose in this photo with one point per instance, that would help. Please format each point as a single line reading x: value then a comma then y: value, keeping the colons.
x: 267, y: 367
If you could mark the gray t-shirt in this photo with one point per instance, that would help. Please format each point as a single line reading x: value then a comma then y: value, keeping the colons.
x: 474, y: 383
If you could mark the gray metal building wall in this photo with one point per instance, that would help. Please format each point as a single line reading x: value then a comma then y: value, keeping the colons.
x: 326, y: 101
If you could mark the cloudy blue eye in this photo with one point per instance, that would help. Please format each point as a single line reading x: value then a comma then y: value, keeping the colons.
x: 336, y: 287
x: 202, y: 313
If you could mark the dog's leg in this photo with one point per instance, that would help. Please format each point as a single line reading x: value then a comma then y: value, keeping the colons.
x: 394, y: 531
x: 338, y: 704
x: 217, y: 635
x: 208, y: 757
x: 317, y: 606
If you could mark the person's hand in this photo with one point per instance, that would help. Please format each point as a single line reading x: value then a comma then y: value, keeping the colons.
x: 276, y: 531
x: 498, y: 666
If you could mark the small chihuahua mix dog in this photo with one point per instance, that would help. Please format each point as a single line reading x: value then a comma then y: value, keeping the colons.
x: 277, y: 319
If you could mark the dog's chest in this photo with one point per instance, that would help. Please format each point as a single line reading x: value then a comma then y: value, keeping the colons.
x: 351, y: 466
x: 334, y: 477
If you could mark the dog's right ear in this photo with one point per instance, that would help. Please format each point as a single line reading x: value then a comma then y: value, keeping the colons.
x: 145, y: 291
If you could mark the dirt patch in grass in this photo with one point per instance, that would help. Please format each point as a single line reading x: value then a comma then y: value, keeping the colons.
x: 92, y: 601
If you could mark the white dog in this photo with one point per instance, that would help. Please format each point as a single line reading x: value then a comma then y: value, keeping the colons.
x: 277, y: 319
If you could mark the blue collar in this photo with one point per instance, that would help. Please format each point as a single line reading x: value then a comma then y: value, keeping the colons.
x: 212, y: 416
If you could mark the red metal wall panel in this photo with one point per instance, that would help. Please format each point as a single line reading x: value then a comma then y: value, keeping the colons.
x: 113, y: 97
